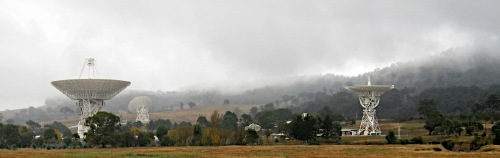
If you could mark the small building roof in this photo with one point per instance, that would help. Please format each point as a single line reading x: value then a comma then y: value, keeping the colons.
x: 348, y: 129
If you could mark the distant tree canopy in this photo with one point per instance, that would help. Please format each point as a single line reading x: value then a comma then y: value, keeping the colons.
x: 391, y: 138
x: 267, y: 119
x: 102, y: 129
x: 32, y: 124
x: 496, y: 130
x: 191, y: 104
x: 434, y: 120
x: 66, y: 110
x: 330, y: 129
x: 229, y: 121
x: 154, y: 124
x: 246, y: 119
x: 253, y: 111
x: 251, y: 137
x: 302, y: 127
x: 426, y: 107
x: 202, y: 121
x: 226, y: 102
x: 222, y: 129
x: 60, y: 127
x: 49, y: 134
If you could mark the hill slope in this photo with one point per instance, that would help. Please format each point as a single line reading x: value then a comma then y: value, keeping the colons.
x: 458, y: 67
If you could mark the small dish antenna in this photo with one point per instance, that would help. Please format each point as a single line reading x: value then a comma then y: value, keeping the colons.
x: 140, y: 105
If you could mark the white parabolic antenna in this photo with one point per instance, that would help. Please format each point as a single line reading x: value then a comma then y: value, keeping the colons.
x: 89, y: 93
x: 140, y: 105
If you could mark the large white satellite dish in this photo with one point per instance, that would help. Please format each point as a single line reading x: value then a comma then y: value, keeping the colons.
x: 90, y: 93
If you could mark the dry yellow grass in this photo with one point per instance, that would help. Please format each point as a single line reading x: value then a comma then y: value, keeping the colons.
x: 376, y: 151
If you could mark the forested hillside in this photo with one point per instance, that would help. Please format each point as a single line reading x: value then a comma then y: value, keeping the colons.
x: 455, y: 79
x: 403, y: 103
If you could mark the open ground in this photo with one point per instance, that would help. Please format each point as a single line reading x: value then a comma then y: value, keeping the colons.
x: 384, y: 151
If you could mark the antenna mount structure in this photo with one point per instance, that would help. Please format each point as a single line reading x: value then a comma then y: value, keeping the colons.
x: 90, y: 93
x: 369, y: 98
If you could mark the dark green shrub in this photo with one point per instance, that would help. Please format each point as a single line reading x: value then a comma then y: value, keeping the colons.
x: 166, y: 141
x: 448, y: 145
x: 391, y: 138
x: 477, y: 143
x: 404, y: 141
x: 496, y: 141
x: 312, y: 142
x: 418, y: 140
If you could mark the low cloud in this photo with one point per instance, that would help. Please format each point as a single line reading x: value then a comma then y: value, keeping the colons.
x: 167, y: 45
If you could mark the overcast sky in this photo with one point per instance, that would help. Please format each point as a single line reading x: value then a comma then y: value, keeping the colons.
x: 168, y: 45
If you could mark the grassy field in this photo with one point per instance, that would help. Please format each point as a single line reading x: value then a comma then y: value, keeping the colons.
x: 384, y: 151
x: 191, y: 114
x: 357, y: 147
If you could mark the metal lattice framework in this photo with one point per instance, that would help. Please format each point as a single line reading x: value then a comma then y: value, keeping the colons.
x: 369, y: 98
x: 141, y: 105
x: 142, y: 115
x: 90, y: 93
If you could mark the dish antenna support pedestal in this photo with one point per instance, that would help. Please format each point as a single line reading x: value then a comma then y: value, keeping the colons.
x: 142, y: 115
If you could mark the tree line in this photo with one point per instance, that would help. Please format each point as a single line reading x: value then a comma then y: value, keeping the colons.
x: 105, y: 130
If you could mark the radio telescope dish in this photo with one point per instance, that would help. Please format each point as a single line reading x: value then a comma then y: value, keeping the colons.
x: 102, y: 89
x: 369, y: 98
x: 89, y: 93
x: 140, y: 105
x: 139, y: 101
